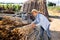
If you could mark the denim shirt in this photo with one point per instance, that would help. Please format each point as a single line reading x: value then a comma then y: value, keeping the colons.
x: 41, y: 20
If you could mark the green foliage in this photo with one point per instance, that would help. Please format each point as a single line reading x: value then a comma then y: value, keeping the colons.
x: 51, y: 4
x: 14, y: 7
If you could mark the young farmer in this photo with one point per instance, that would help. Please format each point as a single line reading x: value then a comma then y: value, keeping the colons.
x: 42, y: 21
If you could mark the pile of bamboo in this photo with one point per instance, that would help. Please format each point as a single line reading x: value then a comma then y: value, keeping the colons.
x: 25, y: 33
x: 7, y: 24
x: 22, y: 32
x: 11, y: 28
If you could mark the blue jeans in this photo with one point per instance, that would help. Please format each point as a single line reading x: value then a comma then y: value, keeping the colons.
x: 42, y: 32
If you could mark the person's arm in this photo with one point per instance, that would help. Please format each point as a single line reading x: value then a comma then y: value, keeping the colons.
x: 39, y: 19
x: 35, y: 24
x: 39, y: 24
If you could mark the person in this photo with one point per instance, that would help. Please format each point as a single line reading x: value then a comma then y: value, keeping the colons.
x: 42, y: 22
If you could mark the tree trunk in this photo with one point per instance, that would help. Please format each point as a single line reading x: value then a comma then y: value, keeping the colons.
x: 40, y: 5
x: 43, y: 8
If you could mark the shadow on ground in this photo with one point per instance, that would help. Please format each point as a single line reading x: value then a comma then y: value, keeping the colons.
x: 55, y: 35
x: 57, y: 17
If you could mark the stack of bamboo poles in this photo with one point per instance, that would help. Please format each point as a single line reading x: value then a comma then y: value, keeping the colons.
x: 12, y: 28
x: 7, y: 24
x: 25, y: 33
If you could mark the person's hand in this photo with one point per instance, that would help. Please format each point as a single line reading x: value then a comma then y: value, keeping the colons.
x: 33, y: 25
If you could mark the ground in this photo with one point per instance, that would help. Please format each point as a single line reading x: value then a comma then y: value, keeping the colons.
x: 55, y: 24
x: 55, y: 29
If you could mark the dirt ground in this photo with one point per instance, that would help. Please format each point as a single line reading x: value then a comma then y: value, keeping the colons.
x: 55, y: 25
x: 55, y: 28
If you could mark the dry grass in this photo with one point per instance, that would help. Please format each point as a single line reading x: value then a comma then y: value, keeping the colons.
x: 54, y: 11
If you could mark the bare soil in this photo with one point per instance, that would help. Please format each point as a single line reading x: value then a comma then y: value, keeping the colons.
x: 55, y: 29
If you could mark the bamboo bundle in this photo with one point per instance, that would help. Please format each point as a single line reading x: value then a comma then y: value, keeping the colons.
x: 20, y: 33
x: 7, y: 24
x: 24, y: 33
x: 10, y: 29
x: 12, y: 20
